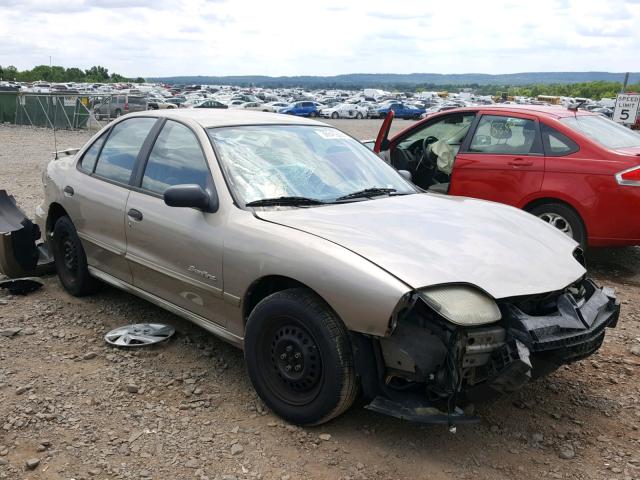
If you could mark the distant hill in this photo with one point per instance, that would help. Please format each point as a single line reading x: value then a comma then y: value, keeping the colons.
x: 382, y: 80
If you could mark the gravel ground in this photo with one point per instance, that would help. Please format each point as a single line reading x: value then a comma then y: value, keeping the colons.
x: 72, y: 408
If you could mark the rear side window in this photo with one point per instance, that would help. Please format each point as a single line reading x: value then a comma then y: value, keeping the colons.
x: 122, y: 147
x: 88, y: 161
x: 502, y: 135
x: 556, y: 144
x: 176, y: 159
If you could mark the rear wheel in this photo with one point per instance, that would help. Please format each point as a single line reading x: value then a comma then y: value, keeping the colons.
x: 299, y: 359
x: 312, y: 114
x: 564, y: 218
x: 71, y: 260
x: 118, y: 113
x: 334, y: 115
x: 359, y: 116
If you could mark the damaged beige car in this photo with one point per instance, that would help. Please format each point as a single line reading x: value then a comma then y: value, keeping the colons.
x: 335, y: 274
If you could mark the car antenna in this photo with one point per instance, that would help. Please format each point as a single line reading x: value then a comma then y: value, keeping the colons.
x: 55, y: 141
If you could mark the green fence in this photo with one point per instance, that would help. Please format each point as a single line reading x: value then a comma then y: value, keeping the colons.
x: 61, y: 111
x: 8, y: 106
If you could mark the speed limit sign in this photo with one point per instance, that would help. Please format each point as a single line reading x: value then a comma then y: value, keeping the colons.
x: 626, y: 110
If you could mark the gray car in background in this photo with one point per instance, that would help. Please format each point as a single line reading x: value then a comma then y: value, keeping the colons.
x: 118, y: 105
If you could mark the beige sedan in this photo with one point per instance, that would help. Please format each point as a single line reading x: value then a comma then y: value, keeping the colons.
x: 290, y: 239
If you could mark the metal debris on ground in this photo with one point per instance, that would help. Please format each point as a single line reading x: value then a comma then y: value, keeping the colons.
x: 139, y: 334
x: 21, y: 286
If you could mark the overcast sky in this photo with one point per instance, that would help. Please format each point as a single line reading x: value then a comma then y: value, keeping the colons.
x: 302, y: 37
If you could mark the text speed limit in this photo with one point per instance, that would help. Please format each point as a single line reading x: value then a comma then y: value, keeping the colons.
x: 626, y: 110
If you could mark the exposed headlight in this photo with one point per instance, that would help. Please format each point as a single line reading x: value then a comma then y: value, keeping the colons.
x: 462, y: 305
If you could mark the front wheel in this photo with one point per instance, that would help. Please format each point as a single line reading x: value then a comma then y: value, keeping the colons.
x: 359, y: 116
x: 71, y: 260
x: 313, y: 114
x: 564, y: 218
x: 299, y: 358
x: 334, y: 115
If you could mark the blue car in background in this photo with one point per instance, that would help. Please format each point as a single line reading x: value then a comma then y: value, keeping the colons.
x: 302, y: 109
x: 401, y: 110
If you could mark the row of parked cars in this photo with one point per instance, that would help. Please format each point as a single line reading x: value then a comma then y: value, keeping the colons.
x: 117, y: 105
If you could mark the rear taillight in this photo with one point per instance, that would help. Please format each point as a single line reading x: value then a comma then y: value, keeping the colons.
x: 126, y: 106
x: 629, y: 177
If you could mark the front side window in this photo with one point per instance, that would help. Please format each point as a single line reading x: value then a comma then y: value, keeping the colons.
x: 122, y: 147
x: 451, y: 129
x: 321, y: 163
x: 506, y: 136
x: 176, y: 159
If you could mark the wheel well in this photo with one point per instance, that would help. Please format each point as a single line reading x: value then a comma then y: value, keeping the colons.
x: 55, y: 212
x: 264, y: 287
x: 542, y: 201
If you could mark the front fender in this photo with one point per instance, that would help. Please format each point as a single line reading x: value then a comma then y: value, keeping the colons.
x: 361, y: 293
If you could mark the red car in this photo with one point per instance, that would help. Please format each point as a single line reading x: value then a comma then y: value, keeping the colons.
x: 576, y: 170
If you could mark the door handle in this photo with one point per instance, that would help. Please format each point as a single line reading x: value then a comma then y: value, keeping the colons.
x: 520, y: 162
x: 68, y: 191
x: 135, y: 214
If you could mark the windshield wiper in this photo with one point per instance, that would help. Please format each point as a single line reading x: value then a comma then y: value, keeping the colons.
x: 367, y: 192
x: 286, y: 201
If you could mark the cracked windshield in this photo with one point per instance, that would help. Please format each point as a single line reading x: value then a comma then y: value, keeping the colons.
x: 320, y: 163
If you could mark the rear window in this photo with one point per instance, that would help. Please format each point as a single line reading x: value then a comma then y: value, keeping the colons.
x: 556, y: 144
x: 137, y: 100
x: 603, y: 131
x: 88, y: 161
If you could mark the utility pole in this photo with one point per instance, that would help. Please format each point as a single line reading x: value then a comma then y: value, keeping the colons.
x: 624, y: 84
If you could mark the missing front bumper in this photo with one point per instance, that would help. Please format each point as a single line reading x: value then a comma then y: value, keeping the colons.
x: 20, y: 253
x: 444, y: 364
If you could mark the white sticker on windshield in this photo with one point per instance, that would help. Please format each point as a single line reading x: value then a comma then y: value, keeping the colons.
x: 331, y: 134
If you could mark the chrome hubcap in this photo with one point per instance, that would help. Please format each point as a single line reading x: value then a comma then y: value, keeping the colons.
x: 557, y: 221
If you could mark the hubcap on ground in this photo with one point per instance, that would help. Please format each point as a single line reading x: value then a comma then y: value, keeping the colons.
x: 557, y: 221
x: 294, y: 366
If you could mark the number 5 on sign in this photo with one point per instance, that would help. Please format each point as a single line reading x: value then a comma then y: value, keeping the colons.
x: 626, y: 110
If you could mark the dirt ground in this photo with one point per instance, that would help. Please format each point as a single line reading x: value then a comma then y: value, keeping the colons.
x: 71, y: 407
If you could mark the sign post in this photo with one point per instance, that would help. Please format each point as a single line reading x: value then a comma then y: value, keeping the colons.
x: 626, y: 109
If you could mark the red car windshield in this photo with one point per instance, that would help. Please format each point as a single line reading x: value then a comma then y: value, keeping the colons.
x: 604, y: 131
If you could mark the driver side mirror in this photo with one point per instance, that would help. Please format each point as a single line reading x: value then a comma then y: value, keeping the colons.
x: 406, y: 174
x: 191, y: 196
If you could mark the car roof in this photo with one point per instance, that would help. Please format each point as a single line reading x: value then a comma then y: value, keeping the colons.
x: 229, y: 117
x: 555, y: 111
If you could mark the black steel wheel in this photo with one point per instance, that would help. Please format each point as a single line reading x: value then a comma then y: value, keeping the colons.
x: 294, y: 360
x: 298, y: 357
x: 71, y: 260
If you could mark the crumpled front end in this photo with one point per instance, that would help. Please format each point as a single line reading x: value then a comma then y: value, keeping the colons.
x: 429, y: 365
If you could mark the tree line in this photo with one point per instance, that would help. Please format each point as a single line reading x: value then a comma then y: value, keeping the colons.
x: 58, y: 74
x: 594, y: 90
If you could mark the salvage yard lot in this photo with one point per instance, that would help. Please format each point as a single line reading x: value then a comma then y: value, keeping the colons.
x: 186, y: 409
